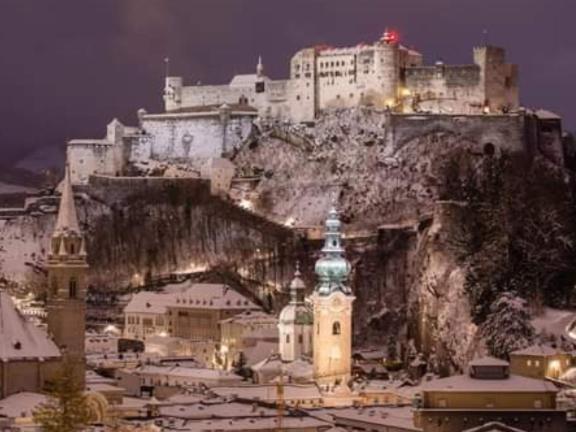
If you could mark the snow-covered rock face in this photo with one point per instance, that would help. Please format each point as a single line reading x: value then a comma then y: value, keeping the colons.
x: 380, y: 168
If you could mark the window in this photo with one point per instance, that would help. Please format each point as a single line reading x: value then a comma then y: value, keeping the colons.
x: 300, y: 339
x: 287, y: 338
x: 538, y: 404
x: 73, y: 288
x: 336, y: 328
x: 54, y: 286
x: 529, y: 363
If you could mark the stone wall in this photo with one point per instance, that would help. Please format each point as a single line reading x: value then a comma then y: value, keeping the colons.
x: 191, y: 138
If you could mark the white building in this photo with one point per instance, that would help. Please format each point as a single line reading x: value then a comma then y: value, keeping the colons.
x: 384, y: 74
x: 190, y: 311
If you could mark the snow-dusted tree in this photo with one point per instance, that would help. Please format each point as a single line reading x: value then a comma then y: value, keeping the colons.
x: 67, y: 409
x: 507, y: 327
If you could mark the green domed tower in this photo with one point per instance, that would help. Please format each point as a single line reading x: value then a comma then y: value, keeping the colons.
x: 332, y: 304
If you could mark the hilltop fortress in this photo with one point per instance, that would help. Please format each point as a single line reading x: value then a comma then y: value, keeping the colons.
x: 204, y: 124
x: 384, y: 75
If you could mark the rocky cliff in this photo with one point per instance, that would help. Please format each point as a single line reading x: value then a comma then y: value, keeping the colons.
x: 401, y: 182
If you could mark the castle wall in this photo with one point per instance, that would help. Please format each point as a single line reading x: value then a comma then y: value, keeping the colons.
x: 444, y: 89
x: 504, y: 132
x: 215, y: 95
x: 192, y: 138
x: 89, y: 157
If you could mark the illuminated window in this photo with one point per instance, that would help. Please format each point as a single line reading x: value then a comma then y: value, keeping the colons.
x: 529, y: 363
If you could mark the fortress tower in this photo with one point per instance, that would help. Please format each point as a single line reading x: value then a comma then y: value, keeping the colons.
x: 295, y: 324
x: 332, y: 301
x: 67, y: 268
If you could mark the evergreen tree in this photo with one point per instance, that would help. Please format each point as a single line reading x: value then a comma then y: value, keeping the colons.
x: 507, y: 327
x: 67, y: 409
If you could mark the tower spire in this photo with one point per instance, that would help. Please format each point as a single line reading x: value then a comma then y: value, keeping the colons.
x: 67, y: 221
x: 260, y: 67
x: 332, y: 269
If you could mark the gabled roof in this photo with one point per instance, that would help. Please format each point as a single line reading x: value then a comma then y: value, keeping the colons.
x: 512, y: 384
x: 488, y: 361
x: 494, y: 427
x: 538, y: 351
x: 189, y: 295
x: 19, y: 338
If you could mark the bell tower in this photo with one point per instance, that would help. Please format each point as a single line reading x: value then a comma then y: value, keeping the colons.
x: 67, y: 267
x: 332, y: 302
x: 295, y: 324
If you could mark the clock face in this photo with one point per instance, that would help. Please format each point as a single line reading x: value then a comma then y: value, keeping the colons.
x: 337, y: 304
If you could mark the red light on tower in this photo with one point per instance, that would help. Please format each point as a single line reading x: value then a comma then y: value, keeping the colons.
x: 390, y: 37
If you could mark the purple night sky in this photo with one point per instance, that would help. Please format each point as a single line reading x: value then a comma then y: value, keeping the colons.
x: 69, y: 66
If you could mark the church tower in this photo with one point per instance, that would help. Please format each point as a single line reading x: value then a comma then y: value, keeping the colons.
x: 67, y: 267
x: 332, y: 302
x: 295, y: 324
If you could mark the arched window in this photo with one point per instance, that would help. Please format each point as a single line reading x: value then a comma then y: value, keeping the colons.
x: 336, y: 328
x: 73, y: 288
x: 287, y: 338
x: 72, y: 248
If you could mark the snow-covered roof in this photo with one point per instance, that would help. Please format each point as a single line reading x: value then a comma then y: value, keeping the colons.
x: 246, y: 80
x: 538, y: 351
x: 547, y: 115
x: 250, y: 424
x: 401, y: 418
x: 148, y: 302
x: 219, y: 410
x: 270, y: 392
x: 488, y: 361
x: 251, y: 317
x: 189, y: 295
x: 512, y: 384
x: 19, y: 338
x: 185, y: 372
x: 494, y: 427
x: 21, y: 404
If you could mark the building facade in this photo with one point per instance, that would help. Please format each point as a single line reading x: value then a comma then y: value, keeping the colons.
x: 489, y: 393
x: 188, y: 311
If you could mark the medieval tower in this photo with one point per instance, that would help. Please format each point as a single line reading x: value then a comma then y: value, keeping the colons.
x: 295, y: 324
x: 332, y: 302
x: 67, y: 267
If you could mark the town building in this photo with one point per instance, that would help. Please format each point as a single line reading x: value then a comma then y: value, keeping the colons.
x: 384, y: 75
x: 489, y: 393
x: 247, y: 338
x: 156, y: 379
x: 28, y: 357
x: 540, y: 361
x: 188, y: 310
x: 332, y: 304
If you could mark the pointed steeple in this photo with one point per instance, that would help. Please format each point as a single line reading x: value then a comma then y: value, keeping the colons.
x: 260, y: 67
x: 67, y: 221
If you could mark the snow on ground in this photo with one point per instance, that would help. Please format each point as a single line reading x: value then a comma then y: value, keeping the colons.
x: 555, y: 322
